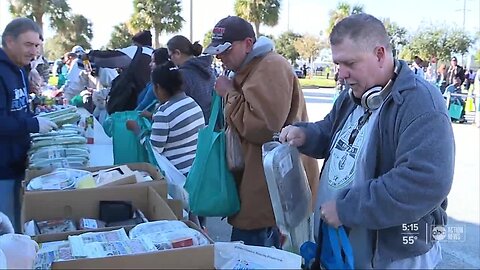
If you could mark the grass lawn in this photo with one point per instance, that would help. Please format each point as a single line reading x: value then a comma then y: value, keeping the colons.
x: 317, y: 81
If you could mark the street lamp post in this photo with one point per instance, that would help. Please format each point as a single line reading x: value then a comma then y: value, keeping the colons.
x: 288, y: 15
x: 191, y: 20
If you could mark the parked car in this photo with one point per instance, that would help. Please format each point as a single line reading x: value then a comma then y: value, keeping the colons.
x: 299, y: 73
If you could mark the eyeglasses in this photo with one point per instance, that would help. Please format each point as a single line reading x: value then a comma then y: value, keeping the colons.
x: 361, y: 122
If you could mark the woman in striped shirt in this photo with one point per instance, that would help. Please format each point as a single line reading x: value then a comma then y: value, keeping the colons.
x: 176, y: 122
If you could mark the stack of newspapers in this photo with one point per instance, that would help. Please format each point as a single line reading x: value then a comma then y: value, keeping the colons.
x: 145, y: 237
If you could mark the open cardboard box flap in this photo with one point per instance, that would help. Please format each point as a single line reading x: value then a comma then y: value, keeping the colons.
x: 84, y: 203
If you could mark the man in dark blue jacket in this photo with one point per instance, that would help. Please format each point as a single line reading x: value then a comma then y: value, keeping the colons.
x: 20, y: 42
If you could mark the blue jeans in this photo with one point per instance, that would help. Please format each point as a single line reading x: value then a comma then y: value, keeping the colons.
x: 10, y: 201
x: 265, y: 237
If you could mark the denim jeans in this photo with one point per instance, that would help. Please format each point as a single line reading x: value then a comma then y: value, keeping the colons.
x: 10, y: 201
x: 265, y: 237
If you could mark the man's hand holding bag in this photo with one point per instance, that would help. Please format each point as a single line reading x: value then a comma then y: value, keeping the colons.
x: 235, y: 159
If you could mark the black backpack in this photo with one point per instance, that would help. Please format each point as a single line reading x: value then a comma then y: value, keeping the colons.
x: 123, y: 93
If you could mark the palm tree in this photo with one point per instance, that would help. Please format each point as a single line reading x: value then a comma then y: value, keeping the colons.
x: 76, y: 31
x: 57, y: 10
x: 397, y: 34
x: 258, y: 12
x: 161, y: 15
x: 343, y: 10
x: 120, y: 37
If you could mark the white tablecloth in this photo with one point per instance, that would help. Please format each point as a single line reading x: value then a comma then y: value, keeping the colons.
x: 101, y: 151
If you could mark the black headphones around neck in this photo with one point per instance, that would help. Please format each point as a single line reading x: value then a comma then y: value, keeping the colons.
x: 373, y: 98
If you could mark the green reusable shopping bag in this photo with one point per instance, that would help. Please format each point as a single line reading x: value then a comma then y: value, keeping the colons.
x: 210, y: 184
x: 62, y: 79
x: 126, y: 146
x: 455, y: 110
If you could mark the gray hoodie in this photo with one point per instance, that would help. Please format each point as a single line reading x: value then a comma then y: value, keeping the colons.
x: 262, y: 46
x: 199, y: 81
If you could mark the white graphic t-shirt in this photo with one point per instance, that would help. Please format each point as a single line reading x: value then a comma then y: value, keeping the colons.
x: 344, y: 155
x: 344, y: 169
x: 339, y: 171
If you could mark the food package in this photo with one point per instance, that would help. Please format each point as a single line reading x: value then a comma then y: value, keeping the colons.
x: 161, y: 226
x: 58, y: 140
x: 90, y: 223
x: 289, y: 193
x: 178, y: 238
x: 65, y: 162
x: 55, y: 226
x: 58, y: 152
x: 59, y: 179
x: 62, y: 115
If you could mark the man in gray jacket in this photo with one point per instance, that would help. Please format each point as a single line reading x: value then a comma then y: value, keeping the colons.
x: 389, y: 152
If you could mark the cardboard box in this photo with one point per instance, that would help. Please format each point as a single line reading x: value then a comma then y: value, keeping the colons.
x: 129, y: 179
x: 199, y: 257
x: 182, y: 258
x: 84, y: 203
x: 177, y: 207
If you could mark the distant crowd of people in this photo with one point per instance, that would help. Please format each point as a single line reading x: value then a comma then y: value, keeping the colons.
x: 456, y: 83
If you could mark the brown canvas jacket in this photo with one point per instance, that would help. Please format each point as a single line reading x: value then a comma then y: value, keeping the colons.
x: 266, y: 98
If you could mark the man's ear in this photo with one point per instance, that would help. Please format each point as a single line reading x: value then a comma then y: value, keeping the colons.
x: 249, y: 42
x: 380, y: 53
x: 10, y: 41
x: 177, y: 51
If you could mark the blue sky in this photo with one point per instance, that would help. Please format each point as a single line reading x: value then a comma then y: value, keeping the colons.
x: 305, y: 16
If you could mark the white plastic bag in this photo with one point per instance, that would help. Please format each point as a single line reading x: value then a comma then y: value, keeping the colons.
x: 19, y: 250
x: 3, y: 260
x: 239, y: 256
x: 179, y: 238
x: 175, y: 179
x: 160, y: 226
x: 6, y: 226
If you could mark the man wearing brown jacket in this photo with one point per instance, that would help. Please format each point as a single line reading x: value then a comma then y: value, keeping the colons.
x: 263, y: 96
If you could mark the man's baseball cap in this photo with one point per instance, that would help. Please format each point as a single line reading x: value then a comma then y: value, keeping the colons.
x: 228, y: 30
x: 78, y: 49
x: 454, y: 58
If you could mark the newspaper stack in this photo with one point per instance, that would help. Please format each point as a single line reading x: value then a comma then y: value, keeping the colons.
x: 79, y: 242
x: 52, y: 252
x: 145, y: 237
x: 107, y: 249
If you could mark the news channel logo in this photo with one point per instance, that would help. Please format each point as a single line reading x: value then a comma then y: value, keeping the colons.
x: 449, y: 233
